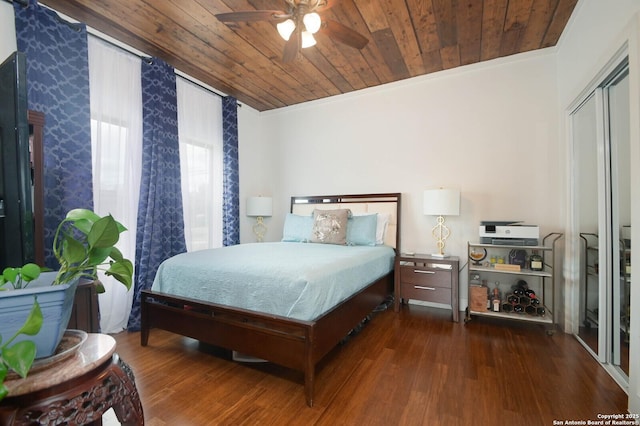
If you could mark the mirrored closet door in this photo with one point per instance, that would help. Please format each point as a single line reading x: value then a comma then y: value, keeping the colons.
x: 601, y: 148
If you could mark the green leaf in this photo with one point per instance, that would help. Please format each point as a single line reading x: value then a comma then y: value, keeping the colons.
x: 82, y: 214
x: 73, y: 251
x: 20, y: 356
x: 121, y: 227
x: 3, y: 391
x: 104, y: 233
x: 32, y: 325
x: 10, y: 274
x: 122, y: 271
x: 99, y: 287
x: 83, y: 226
x: 98, y: 255
x: 82, y: 219
x: 116, y: 254
x: 30, y: 272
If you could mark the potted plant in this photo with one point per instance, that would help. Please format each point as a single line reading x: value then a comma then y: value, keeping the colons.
x: 84, y: 243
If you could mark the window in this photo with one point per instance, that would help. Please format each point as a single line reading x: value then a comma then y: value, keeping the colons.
x: 116, y: 147
x: 200, y: 135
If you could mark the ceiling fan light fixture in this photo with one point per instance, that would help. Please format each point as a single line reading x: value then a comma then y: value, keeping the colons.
x: 286, y: 28
x: 312, y: 22
x: 307, y: 39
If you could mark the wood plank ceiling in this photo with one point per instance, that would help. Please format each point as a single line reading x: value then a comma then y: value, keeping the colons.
x: 407, y: 38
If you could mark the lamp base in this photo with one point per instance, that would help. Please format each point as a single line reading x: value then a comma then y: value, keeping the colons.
x: 259, y: 229
x: 440, y: 232
x: 441, y: 256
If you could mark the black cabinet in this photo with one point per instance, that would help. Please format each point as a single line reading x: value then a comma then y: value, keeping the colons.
x: 21, y: 170
x: 16, y: 213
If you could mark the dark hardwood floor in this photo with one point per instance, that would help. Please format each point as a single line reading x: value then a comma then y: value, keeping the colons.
x: 415, y: 367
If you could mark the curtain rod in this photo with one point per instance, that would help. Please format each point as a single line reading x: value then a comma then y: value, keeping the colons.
x: 148, y: 59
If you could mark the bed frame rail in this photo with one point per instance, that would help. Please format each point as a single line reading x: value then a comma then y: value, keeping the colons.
x: 299, y: 345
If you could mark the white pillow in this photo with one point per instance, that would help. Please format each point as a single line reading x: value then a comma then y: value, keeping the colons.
x: 381, y: 228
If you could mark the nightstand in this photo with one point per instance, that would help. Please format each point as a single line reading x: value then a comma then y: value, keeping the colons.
x: 85, y: 315
x: 427, y: 278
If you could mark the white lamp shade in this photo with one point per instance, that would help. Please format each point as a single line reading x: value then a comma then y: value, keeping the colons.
x: 442, y: 202
x: 259, y: 206
x: 308, y: 39
x: 312, y: 22
x: 286, y: 28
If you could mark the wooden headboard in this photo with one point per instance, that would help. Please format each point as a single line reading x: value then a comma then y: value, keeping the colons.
x: 359, y: 204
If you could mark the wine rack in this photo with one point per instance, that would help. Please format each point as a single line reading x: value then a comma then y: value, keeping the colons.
x: 495, y: 276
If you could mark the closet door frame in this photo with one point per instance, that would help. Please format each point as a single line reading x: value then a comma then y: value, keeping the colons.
x: 597, y: 89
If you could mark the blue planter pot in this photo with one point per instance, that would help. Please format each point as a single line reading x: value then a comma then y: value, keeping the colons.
x: 56, y: 303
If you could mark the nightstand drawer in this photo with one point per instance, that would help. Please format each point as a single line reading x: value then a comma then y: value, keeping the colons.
x: 426, y: 276
x: 427, y: 293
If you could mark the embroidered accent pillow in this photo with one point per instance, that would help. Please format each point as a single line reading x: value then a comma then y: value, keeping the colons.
x: 330, y: 226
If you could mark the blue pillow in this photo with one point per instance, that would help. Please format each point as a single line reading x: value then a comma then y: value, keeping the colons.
x: 297, y: 228
x: 361, y: 230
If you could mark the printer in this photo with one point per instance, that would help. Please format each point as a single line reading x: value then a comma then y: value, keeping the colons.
x: 513, y: 233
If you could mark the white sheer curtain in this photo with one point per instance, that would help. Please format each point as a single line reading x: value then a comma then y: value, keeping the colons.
x: 116, y: 142
x: 200, y: 136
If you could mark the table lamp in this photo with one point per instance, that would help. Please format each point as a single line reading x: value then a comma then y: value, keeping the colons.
x: 259, y: 207
x: 441, y: 202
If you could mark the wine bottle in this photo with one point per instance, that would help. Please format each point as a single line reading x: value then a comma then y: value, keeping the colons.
x: 530, y: 293
x: 535, y: 302
x: 518, y: 308
x: 536, y: 261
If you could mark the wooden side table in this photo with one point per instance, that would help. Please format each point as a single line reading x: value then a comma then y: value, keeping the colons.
x: 76, y: 391
x: 427, y: 278
x: 86, y: 311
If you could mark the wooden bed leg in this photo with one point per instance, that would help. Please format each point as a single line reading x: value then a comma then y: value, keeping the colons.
x: 309, y: 378
x: 310, y: 367
x: 144, y: 321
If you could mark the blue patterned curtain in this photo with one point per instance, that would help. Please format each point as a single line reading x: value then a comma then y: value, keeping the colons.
x: 58, y: 86
x: 230, y: 191
x: 160, y: 233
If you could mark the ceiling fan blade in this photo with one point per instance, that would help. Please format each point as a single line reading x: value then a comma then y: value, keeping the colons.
x: 252, y: 16
x: 343, y: 34
x: 292, y: 46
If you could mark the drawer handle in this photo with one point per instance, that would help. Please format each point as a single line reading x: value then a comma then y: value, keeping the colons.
x: 420, y: 271
x: 420, y: 287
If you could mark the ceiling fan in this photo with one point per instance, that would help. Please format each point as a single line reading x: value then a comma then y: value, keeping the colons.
x: 298, y: 24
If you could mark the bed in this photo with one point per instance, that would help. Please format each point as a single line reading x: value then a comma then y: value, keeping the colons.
x: 298, y: 329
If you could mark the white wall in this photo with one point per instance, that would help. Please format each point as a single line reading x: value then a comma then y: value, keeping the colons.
x: 257, y: 168
x: 489, y: 129
x: 594, y: 33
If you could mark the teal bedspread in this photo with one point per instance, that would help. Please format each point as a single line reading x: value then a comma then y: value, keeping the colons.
x: 294, y: 280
